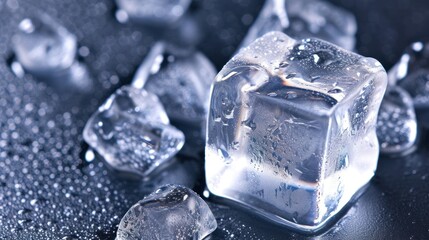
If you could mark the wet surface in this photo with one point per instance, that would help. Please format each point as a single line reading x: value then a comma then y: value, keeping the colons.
x: 48, y: 190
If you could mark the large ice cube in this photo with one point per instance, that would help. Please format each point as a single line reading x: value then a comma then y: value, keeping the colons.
x: 131, y: 132
x: 396, y: 123
x: 291, y: 128
x: 158, y: 12
x: 182, y: 80
x: 43, y: 46
x: 171, y: 212
x: 305, y: 18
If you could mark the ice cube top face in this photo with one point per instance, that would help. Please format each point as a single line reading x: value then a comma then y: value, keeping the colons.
x: 132, y: 133
x: 157, y: 12
x: 291, y: 129
x: 171, y: 212
x: 181, y: 79
x: 412, y: 73
x: 305, y: 18
x: 42, y: 45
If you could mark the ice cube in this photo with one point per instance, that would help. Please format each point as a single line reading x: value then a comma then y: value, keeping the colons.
x: 157, y: 12
x: 292, y: 129
x: 131, y: 132
x: 412, y: 73
x: 182, y: 80
x: 171, y: 212
x: 303, y: 19
x: 43, y: 46
x: 396, y: 123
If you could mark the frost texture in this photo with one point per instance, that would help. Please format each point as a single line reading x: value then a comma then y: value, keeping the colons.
x: 131, y: 131
x: 171, y: 212
x: 292, y: 128
x: 305, y: 18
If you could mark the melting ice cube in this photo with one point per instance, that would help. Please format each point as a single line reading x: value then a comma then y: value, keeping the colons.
x: 131, y: 131
x: 47, y: 50
x: 158, y: 12
x: 292, y: 128
x: 182, y: 80
x: 171, y: 212
x: 396, y: 123
x: 42, y: 46
x: 412, y: 73
x: 303, y: 19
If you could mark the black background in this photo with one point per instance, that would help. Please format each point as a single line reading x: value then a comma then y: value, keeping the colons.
x: 48, y: 190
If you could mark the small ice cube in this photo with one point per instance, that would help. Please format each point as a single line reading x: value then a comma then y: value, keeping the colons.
x: 412, y: 74
x: 171, y: 212
x: 303, y: 19
x: 131, y: 132
x: 292, y: 129
x: 396, y: 123
x: 43, y: 46
x: 182, y: 80
x: 157, y: 12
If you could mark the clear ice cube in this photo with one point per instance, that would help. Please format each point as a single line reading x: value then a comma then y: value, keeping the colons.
x: 131, y: 132
x: 396, y: 123
x: 157, y: 12
x: 171, y: 212
x: 292, y: 129
x: 412, y: 74
x: 303, y: 19
x: 43, y: 46
x: 182, y: 80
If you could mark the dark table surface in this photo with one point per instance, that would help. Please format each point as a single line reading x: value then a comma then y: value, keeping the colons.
x: 49, y: 191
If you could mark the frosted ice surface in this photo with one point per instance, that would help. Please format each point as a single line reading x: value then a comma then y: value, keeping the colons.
x: 396, y: 123
x: 292, y: 128
x: 131, y: 131
x: 303, y: 19
x: 42, y: 46
x: 171, y: 212
x: 159, y: 12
